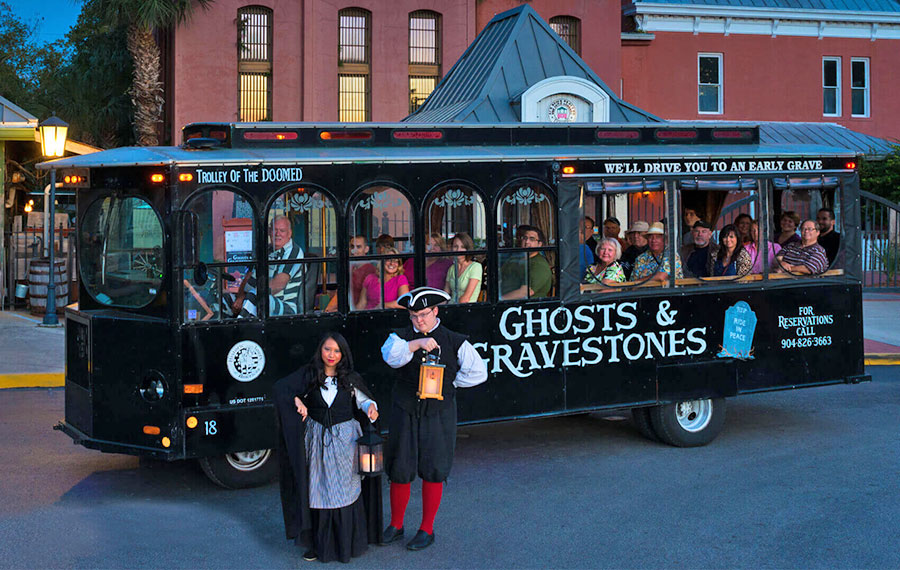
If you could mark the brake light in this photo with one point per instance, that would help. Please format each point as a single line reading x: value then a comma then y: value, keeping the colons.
x: 850, y: 165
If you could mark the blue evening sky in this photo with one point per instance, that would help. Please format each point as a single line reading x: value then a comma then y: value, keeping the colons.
x: 54, y: 17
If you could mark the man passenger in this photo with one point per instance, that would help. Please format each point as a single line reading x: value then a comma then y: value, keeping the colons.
x: 612, y: 228
x: 654, y: 263
x: 512, y: 273
x: 285, y: 281
x: 806, y: 257
x: 359, y: 270
x: 828, y: 238
x: 588, y: 238
x: 637, y: 244
x: 696, y: 255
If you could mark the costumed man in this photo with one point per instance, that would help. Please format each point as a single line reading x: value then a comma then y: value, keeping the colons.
x: 423, y: 432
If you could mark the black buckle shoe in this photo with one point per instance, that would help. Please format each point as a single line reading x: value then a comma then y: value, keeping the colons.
x: 391, y: 534
x: 421, y: 541
x: 310, y: 555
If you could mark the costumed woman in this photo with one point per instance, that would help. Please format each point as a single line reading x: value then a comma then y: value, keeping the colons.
x: 321, y: 488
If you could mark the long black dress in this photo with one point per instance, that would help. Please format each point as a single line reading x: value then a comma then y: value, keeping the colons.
x: 334, y: 533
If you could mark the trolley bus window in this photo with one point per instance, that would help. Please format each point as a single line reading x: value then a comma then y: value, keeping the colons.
x: 381, y: 228
x: 223, y: 285
x: 455, y: 252
x: 807, y: 225
x: 120, y: 253
x: 716, y: 238
x: 302, y: 252
x: 639, y: 206
x: 526, y: 227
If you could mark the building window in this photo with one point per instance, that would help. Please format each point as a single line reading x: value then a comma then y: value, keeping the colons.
x: 709, y: 81
x: 569, y: 29
x: 354, y: 65
x: 254, y: 63
x: 831, y: 86
x: 859, y: 87
x: 424, y: 55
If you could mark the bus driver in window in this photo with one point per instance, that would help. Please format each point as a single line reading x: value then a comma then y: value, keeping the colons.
x: 285, y: 281
x: 512, y: 273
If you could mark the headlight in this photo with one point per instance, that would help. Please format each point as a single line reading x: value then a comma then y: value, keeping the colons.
x: 153, y: 386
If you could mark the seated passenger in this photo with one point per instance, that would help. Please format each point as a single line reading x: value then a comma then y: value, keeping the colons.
x: 586, y: 257
x: 395, y: 285
x: 690, y: 217
x: 806, y: 257
x: 742, y: 225
x: 588, y: 238
x: 731, y: 259
x: 696, y: 256
x: 435, y: 267
x: 828, y: 238
x: 753, y: 249
x: 789, y: 221
x: 637, y: 244
x: 512, y: 272
x: 466, y: 287
x: 285, y: 281
x: 612, y: 228
x: 383, y: 242
x: 607, y: 271
x: 359, y: 270
x: 654, y: 263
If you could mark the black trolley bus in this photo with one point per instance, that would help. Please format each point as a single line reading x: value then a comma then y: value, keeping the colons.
x: 209, y: 270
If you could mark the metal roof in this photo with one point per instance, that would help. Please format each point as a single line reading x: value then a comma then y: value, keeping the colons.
x: 828, y: 134
x: 165, y: 156
x: 828, y: 5
x: 516, y: 50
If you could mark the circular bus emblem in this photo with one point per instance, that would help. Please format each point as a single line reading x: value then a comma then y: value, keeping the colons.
x: 562, y: 110
x: 245, y: 361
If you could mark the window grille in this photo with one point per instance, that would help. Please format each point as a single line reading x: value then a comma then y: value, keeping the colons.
x: 424, y: 55
x: 354, y: 65
x: 569, y: 29
x: 254, y: 25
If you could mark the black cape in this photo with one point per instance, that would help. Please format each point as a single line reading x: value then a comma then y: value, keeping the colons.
x: 293, y: 473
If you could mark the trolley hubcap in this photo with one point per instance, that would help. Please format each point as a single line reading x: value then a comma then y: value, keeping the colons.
x: 694, y: 415
x: 248, y: 460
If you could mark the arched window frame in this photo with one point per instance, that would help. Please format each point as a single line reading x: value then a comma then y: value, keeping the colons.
x: 424, y: 61
x: 254, y: 63
x: 354, y: 73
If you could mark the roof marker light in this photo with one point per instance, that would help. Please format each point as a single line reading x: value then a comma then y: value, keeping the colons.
x: 673, y: 134
x: 269, y: 136
x: 402, y: 135
x: 346, y: 135
x: 157, y: 178
x: 568, y: 170
x: 185, y: 177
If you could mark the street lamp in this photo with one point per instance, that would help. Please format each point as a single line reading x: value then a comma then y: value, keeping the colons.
x: 53, y: 145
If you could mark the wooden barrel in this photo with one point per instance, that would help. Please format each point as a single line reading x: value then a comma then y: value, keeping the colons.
x: 39, y: 277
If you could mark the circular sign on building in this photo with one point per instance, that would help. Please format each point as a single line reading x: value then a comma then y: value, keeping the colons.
x: 562, y: 110
x: 245, y: 361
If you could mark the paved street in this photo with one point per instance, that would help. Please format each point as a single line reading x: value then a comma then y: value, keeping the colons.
x: 798, y: 479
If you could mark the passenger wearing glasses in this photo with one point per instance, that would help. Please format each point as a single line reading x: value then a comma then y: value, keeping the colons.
x: 395, y: 285
x: 806, y: 257
x: 512, y: 273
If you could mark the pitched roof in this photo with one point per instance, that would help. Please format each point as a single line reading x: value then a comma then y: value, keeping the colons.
x: 828, y: 5
x: 516, y: 50
x: 12, y: 113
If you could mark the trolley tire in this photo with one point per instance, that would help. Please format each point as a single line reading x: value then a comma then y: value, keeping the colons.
x: 641, y: 419
x: 690, y: 423
x: 241, y: 470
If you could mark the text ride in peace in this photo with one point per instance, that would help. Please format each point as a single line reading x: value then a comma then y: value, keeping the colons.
x: 544, y: 349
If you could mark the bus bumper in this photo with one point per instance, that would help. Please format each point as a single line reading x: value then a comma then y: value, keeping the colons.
x: 80, y: 438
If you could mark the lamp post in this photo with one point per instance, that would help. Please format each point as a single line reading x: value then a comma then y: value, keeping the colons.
x: 53, y: 145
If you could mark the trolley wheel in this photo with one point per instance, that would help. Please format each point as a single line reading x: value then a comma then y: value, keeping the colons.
x: 641, y: 419
x: 690, y: 423
x: 241, y: 469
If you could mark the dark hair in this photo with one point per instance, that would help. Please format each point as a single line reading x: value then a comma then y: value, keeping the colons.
x: 613, y: 220
x: 829, y: 211
x: 384, y: 240
x: 742, y: 216
x: 591, y: 219
x: 344, y: 366
x: 468, y: 244
x: 526, y: 228
x: 791, y: 215
x: 730, y: 228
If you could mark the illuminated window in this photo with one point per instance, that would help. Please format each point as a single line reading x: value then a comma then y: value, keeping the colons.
x: 569, y: 29
x: 424, y: 55
x: 254, y: 63
x: 354, y: 65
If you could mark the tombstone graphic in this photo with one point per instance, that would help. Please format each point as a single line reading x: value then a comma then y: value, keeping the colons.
x: 737, y: 336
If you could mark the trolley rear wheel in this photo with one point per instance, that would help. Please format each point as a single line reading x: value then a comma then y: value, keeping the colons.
x: 641, y: 419
x: 242, y: 469
x: 690, y: 423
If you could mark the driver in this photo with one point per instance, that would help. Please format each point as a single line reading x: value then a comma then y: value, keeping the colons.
x: 285, y: 281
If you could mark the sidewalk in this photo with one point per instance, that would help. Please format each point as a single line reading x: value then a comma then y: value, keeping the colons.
x: 34, y: 357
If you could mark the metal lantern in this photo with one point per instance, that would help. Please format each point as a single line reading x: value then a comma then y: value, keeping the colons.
x: 431, y: 378
x: 53, y: 136
x: 370, y: 447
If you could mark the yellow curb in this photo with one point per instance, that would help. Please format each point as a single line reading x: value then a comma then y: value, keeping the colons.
x: 33, y: 380
x: 884, y: 359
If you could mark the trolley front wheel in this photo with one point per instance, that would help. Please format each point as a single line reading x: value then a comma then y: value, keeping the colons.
x: 690, y: 423
x: 241, y: 469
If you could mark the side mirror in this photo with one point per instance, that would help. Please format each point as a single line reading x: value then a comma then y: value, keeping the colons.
x: 186, y: 231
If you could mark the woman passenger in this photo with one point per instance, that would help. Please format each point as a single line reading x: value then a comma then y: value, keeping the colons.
x: 466, y: 287
x: 742, y: 223
x: 435, y: 267
x: 320, y: 483
x: 608, y: 270
x: 732, y: 258
x: 395, y: 284
x: 789, y: 221
x: 753, y: 249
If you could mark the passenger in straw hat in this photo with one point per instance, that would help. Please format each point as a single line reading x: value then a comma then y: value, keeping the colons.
x: 654, y: 264
x: 637, y: 244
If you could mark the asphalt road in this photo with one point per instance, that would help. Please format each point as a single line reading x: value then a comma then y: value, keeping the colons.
x: 799, y: 479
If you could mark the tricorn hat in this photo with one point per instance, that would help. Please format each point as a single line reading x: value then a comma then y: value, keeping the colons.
x: 423, y: 298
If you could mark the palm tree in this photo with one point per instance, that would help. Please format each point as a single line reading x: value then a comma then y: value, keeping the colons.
x: 142, y: 17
